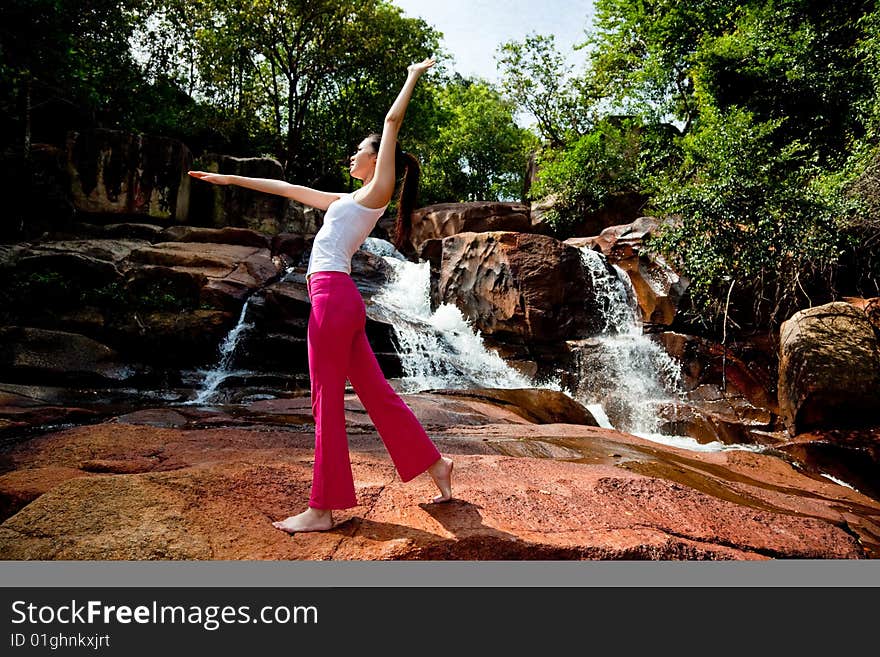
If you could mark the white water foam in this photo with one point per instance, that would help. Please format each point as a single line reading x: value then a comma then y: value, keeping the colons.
x: 686, y: 442
x: 439, y: 349
x: 220, y: 372
x: 623, y: 370
x: 837, y: 481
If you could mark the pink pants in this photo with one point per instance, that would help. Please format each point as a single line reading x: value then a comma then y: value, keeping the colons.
x: 338, y: 349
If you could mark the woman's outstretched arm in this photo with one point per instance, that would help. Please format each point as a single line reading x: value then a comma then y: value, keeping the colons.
x: 306, y: 195
x: 379, y: 190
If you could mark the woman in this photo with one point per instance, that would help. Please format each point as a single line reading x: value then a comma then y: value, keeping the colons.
x: 337, y: 345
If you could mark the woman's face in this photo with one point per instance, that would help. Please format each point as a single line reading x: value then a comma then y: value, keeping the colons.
x: 363, y: 162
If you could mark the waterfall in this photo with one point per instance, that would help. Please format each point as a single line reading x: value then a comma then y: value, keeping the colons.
x: 621, y: 369
x: 222, y: 370
x: 438, y: 349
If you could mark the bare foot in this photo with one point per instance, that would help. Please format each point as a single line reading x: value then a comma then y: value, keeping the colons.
x: 441, y: 473
x: 310, y: 520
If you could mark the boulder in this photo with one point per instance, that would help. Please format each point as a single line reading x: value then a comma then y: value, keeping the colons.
x: 445, y: 219
x: 173, y: 338
x: 516, y: 286
x: 118, y: 173
x: 220, y: 206
x: 228, y: 235
x: 28, y: 353
x: 617, y: 208
x: 829, y: 369
x: 747, y: 367
x: 851, y: 456
x: 231, y: 272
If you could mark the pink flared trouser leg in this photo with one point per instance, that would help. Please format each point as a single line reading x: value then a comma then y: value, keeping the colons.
x: 339, y: 350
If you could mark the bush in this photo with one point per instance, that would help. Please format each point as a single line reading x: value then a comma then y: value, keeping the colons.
x: 620, y: 155
x: 754, y: 216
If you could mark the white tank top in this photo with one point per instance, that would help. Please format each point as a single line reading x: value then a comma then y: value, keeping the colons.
x: 347, y: 224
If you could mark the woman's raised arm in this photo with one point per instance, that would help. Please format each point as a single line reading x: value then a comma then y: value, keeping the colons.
x: 380, y: 189
x: 306, y: 195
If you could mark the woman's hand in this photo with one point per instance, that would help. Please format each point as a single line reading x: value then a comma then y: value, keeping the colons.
x: 421, y: 67
x: 216, y: 178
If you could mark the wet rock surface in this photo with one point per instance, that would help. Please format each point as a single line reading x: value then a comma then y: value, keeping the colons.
x: 205, y: 483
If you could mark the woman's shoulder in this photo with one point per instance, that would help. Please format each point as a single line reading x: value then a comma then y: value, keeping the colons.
x: 364, y: 201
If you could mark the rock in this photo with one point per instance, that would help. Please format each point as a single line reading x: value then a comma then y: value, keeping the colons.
x: 657, y: 286
x: 829, y: 369
x: 618, y: 208
x: 28, y: 353
x: 517, y: 287
x: 747, y: 367
x: 850, y: 456
x: 537, y: 405
x: 174, y: 338
x: 301, y: 219
x: 228, y: 235
x: 710, y: 415
x: 208, y: 494
x: 219, y: 206
x: 134, y: 231
x: 149, y: 285
x: 10, y: 253
x: 370, y: 272
x: 539, y: 213
x: 292, y: 245
x: 117, y: 173
x: 75, y: 270
x: 445, y: 219
x: 219, y: 259
x: 231, y: 272
x: 871, y: 307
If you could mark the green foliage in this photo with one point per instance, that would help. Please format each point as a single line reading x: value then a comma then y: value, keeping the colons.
x: 795, y: 60
x: 477, y: 152
x: 773, y: 184
x: 644, y: 51
x: 620, y: 155
x: 305, y: 79
x: 751, y: 215
x: 40, y: 292
x: 66, y: 65
x: 535, y: 76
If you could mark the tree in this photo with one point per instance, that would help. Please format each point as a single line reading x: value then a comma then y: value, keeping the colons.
x: 477, y: 153
x: 536, y: 77
x: 644, y: 52
x: 312, y: 73
x: 65, y: 65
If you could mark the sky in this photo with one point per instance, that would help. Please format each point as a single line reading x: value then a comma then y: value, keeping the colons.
x: 473, y: 29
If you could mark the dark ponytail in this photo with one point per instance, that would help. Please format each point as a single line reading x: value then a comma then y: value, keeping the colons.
x: 406, y: 202
x: 406, y: 166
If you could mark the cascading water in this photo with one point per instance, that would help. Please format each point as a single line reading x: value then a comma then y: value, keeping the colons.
x: 437, y: 349
x: 222, y: 370
x: 622, y: 370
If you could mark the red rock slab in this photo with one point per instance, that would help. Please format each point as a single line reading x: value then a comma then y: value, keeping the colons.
x: 739, y: 491
x: 505, y: 508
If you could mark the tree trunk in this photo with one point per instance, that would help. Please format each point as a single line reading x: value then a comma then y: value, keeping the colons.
x: 26, y: 107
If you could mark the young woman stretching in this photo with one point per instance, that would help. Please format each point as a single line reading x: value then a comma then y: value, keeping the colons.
x: 337, y: 345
